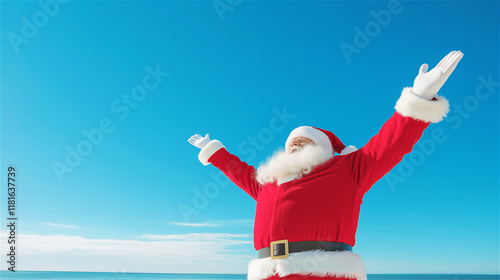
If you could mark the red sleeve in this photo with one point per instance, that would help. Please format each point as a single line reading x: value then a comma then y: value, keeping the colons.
x: 242, y: 174
x: 385, y: 150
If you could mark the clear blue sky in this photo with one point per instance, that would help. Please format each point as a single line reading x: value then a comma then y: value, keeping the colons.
x: 71, y: 69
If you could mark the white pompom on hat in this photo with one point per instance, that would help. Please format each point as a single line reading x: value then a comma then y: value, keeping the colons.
x: 321, y: 137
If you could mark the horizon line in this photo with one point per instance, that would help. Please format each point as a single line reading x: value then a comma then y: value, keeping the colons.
x: 493, y: 274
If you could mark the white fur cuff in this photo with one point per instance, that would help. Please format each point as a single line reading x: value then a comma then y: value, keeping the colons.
x: 317, y: 263
x: 411, y: 105
x: 210, y: 149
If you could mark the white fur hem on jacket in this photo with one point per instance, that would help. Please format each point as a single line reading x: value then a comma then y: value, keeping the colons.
x: 318, y: 263
x: 210, y: 149
x: 411, y: 105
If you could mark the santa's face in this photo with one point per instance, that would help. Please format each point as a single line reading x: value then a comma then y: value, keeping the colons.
x: 298, y: 143
x: 298, y: 160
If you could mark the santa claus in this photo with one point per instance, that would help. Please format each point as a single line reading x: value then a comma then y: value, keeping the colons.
x: 309, y: 199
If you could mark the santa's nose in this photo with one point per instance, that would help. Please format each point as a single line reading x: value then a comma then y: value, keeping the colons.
x: 295, y: 144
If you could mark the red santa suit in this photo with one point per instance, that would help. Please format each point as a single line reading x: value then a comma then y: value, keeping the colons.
x: 324, y: 205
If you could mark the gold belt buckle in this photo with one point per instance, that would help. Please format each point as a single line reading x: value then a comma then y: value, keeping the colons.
x: 279, y: 242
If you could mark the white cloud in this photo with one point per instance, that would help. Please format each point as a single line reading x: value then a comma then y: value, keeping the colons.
x: 214, y: 237
x: 240, y: 222
x: 194, y: 225
x: 221, y: 223
x: 58, y: 225
x: 179, y: 253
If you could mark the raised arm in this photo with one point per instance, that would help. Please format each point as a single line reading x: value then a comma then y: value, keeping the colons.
x: 240, y: 173
x: 417, y: 107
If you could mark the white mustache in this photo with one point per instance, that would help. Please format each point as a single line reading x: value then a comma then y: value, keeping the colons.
x: 298, y: 163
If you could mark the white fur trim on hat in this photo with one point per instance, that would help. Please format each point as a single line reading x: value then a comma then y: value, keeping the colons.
x: 210, y: 149
x: 318, y: 137
x: 411, y: 105
x: 318, y: 263
x: 347, y: 150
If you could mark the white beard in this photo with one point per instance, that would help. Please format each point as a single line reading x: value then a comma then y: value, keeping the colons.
x: 282, y: 164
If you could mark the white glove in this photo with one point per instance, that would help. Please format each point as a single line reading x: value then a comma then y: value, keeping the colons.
x: 427, y: 84
x: 199, y: 141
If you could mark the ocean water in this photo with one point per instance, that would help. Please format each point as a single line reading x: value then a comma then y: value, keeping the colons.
x: 66, y: 275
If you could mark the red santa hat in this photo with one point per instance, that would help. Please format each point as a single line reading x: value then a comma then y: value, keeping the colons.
x: 321, y: 137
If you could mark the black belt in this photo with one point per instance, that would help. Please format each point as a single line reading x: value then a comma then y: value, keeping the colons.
x: 281, y: 248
